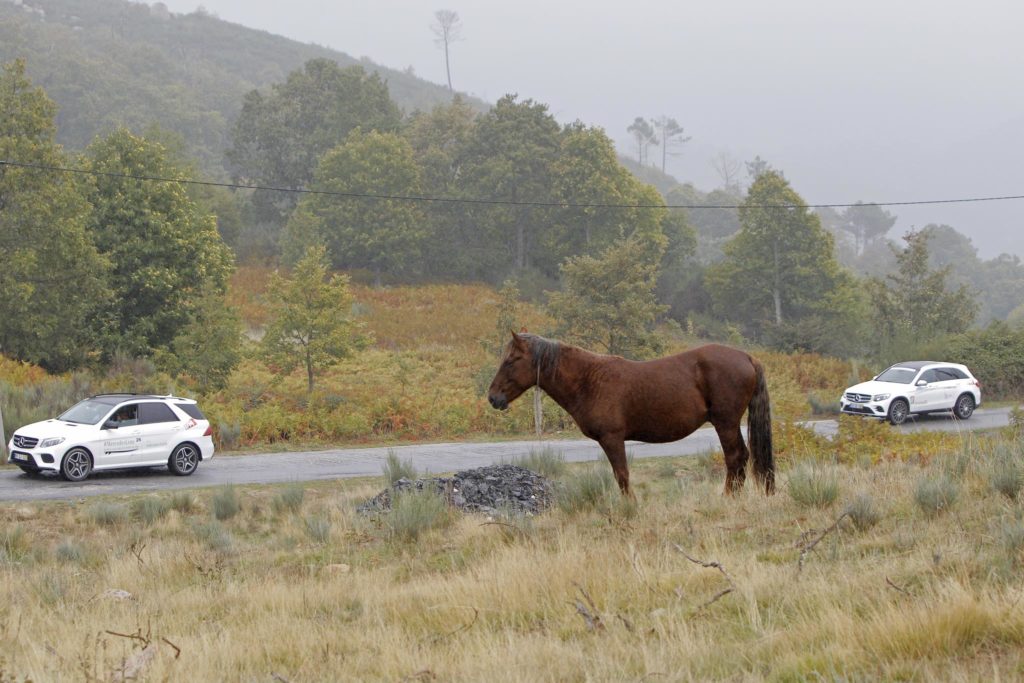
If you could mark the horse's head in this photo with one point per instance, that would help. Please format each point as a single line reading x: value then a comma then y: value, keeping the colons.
x: 518, y: 372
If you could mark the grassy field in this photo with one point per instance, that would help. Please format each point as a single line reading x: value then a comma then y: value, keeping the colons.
x: 902, y: 568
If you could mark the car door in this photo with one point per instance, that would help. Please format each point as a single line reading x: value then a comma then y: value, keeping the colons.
x: 927, y: 393
x: 157, y: 424
x: 119, y: 437
x: 949, y: 381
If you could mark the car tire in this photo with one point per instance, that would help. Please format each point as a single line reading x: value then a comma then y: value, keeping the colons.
x: 899, y: 410
x: 76, y: 465
x: 964, y: 407
x: 184, y: 460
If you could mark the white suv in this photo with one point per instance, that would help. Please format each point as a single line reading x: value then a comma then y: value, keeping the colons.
x: 915, y: 387
x: 111, y: 431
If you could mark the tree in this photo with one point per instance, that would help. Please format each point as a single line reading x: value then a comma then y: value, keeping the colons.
x: 914, y: 303
x: 671, y: 134
x: 643, y: 135
x: 208, y: 347
x: 447, y: 29
x: 728, y: 169
x: 382, y: 235
x: 280, y: 136
x: 608, y: 302
x: 165, y: 253
x: 509, y: 158
x: 867, y: 223
x: 53, y: 279
x: 779, y: 269
x: 757, y: 167
x: 311, y: 321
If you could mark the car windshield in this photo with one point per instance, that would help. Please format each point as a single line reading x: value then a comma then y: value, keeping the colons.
x: 897, y: 375
x: 88, y: 412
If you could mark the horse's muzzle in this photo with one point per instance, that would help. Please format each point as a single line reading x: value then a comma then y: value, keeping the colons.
x: 498, y: 401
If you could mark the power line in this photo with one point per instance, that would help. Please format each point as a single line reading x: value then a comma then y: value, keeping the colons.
x: 500, y: 202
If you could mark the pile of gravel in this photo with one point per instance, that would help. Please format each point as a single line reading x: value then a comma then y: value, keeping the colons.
x: 484, y: 489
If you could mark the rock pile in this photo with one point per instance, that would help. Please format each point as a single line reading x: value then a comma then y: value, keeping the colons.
x: 484, y: 489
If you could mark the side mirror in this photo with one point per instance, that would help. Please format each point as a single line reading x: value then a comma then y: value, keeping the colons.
x: 110, y: 424
x: 922, y: 383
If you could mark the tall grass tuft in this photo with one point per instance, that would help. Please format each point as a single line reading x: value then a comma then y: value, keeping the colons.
x: 108, y: 514
x: 395, y: 468
x: 546, y: 460
x: 14, y: 544
x: 935, y: 494
x: 590, y: 488
x: 1005, y: 473
x: 290, y: 499
x: 70, y: 551
x: 215, y: 536
x: 863, y: 512
x: 226, y: 503
x: 149, y: 509
x: 813, y: 485
x: 183, y: 502
x: 416, y: 512
x: 318, y: 528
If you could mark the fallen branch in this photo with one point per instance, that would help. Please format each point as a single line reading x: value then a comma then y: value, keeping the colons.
x: 136, y: 549
x: 710, y: 565
x: 588, y: 611
x: 901, y: 590
x: 810, y: 546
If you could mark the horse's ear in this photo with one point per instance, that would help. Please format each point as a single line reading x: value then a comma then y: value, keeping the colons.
x: 517, y: 340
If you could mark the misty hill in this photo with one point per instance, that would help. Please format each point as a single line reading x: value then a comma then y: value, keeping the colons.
x: 110, y: 62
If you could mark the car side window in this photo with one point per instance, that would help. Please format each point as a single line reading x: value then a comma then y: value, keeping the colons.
x: 954, y: 373
x: 929, y: 376
x: 154, y: 413
x: 126, y: 416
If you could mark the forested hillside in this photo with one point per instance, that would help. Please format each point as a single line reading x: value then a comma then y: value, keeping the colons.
x: 112, y: 62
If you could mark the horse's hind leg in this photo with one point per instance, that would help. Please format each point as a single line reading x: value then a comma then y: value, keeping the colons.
x: 736, y: 455
x: 615, y: 449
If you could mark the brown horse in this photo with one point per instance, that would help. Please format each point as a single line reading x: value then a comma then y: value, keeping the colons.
x: 614, y: 400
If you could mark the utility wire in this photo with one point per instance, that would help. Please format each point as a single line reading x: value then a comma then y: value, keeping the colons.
x: 500, y: 202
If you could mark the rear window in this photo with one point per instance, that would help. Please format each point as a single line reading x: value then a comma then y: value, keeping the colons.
x: 192, y: 410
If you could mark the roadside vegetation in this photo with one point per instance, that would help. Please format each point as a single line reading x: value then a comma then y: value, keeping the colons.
x: 854, y: 570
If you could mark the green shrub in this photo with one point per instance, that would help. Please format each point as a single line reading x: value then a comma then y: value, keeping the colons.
x: 290, y: 499
x: 70, y: 551
x: 936, y: 494
x: 546, y: 460
x: 108, y: 514
x: 226, y: 503
x: 214, y: 535
x: 592, y: 487
x: 813, y: 485
x: 183, y: 502
x: 1005, y: 472
x: 416, y: 512
x: 149, y: 509
x: 229, y: 435
x: 318, y: 528
x: 395, y: 468
x: 863, y: 513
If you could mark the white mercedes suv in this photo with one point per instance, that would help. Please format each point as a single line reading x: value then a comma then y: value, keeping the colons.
x: 111, y: 431
x: 915, y: 388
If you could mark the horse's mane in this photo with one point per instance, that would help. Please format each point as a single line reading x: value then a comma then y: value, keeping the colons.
x: 544, y: 353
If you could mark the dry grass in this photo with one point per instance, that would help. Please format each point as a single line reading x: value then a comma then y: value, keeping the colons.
x: 587, y: 596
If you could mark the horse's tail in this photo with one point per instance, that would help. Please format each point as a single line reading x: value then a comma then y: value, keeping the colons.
x: 759, y: 432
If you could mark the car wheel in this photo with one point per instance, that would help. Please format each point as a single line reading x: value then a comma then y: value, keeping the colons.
x: 76, y: 465
x: 184, y: 460
x: 898, y: 411
x: 964, y: 407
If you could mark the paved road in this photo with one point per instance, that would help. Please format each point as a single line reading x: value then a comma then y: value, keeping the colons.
x: 272, y: 468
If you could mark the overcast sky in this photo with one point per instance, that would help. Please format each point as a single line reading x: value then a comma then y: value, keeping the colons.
x: 893, y: 100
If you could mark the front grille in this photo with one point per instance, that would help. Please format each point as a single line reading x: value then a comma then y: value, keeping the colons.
x: 25, y: 441
x: 858, y: 398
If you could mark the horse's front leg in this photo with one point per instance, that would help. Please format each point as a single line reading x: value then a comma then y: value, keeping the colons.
x: 615, y: 449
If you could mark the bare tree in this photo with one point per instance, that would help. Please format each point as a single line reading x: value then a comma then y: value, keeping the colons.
x: 447, y: 29
x: 671, y: 136
x: 643, y: 133
x: 728, y: 169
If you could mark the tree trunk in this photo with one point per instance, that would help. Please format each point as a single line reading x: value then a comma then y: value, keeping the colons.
x: 777, y: 291
x: 447, y: 67
x: 309, y: 369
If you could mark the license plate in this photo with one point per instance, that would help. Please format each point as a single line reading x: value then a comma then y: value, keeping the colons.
x: 19, y: 456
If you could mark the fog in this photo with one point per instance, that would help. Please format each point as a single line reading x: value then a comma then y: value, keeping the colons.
x: 873, y: 101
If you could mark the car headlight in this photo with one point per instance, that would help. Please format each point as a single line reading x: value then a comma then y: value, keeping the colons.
x: 879, y: 397
x: 46, y: 443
